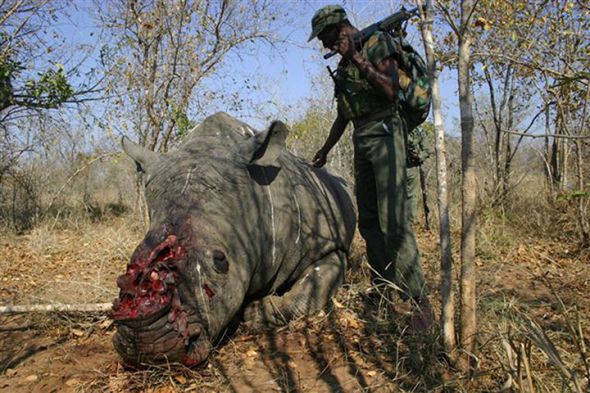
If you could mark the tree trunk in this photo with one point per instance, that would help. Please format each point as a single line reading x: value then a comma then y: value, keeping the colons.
x: 557, y: 156
x: 468, y: 192
x: 446, y: 287
x: 424, y: 188
x: 582, y: 202
x: 582, y: 199
x: 548, y: 156
x: 564, y: 164
x: 508, y: 151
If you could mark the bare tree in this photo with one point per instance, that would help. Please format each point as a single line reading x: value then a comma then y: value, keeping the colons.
x: 40, y: 74
x: 506, y: 107
x: 463, y: 34
x: 33, y: 73
x: 523, y: 46
x: 468, y: 189
x: 539, y: 44
x: 446, y: 288
x: 167, y: 49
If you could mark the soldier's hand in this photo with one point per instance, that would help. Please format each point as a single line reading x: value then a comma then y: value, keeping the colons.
x: 345, y: 46
x: 319, y: 160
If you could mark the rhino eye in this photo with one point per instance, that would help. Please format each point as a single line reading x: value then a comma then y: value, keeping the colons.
x: 220, y: 261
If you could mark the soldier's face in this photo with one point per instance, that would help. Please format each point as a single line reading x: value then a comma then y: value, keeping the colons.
x: 329, y: 35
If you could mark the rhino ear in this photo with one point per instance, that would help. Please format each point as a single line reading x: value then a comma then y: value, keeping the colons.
x: 144, y: 159
x: 269, y: 144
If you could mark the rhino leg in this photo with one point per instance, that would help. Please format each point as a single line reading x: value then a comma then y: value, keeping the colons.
x: 309, y: 294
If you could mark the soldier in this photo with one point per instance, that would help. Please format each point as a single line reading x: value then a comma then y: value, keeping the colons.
x: 366, y: 91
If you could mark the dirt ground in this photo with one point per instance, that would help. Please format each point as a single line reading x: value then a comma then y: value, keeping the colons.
x: 354, y: 346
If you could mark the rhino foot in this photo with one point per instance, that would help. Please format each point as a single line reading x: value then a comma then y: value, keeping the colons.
x: 265, y: 313
x: 308, y: 295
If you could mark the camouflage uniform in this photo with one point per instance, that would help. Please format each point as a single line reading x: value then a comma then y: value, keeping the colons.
x: 380, y: 171
x: 417, y: 154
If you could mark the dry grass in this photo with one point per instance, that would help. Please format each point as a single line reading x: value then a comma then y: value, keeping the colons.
x: 533, y: 310
x: 533, y: 313
x: 78, y: 264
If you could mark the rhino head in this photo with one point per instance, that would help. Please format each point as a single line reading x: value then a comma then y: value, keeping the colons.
x: 189, y: 276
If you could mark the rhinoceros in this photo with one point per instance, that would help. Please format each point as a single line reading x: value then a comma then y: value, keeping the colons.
x: 239, y: 228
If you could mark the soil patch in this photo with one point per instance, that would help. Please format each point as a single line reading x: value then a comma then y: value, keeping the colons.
x: 354, y: 346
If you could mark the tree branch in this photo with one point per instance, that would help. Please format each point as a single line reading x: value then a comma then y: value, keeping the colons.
x: 58, y: 307
x: 448, y: 18
x: 573, y: 137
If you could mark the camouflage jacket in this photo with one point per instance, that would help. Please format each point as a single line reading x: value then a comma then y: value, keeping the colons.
x: 355, y: 95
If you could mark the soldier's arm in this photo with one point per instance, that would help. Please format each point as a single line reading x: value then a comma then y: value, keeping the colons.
x: 336, y: 131
x: 382, y: 77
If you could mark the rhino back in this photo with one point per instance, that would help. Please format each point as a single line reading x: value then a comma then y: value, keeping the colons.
x: 307, y: 213
x: 273, y: 221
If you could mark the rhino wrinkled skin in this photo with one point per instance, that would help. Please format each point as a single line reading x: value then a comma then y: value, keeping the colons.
x: 239, y: 227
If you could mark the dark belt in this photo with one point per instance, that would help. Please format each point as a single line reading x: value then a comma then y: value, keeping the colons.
x: 378, y: 116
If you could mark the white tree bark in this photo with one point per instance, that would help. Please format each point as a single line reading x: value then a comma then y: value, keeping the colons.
x: 92, y: 307
x: 446, y: 287
x: 468, y: 191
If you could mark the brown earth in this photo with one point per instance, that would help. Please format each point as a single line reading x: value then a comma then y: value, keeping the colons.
x: 354, y: 346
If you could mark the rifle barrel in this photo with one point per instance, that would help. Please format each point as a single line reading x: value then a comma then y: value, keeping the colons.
x: 385, y: 24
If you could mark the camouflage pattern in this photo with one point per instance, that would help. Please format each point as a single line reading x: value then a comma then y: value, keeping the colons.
x: 358, y: 98
x: 418, y: 152
x: 324, y: 17
x: 380, y: 172
x: 380, y: 160
x: 355, y: 95
x: 414, y: 94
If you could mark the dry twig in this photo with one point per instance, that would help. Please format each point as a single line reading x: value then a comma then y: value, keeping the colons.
x: 93, y: 307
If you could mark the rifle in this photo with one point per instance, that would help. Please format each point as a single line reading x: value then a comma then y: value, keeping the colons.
x: 391, y: 23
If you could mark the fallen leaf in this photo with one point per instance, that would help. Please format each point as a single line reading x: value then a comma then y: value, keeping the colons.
x: 351, y: 322
x: 302, y: 341
x: 72, y: 382
x: 337, y: 304
x: 107, y: 323
x: 165, y: 389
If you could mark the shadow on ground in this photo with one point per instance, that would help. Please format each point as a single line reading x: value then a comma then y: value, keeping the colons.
x: 339, y: 351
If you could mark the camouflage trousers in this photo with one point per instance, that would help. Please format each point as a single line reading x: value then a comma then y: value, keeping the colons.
x: 380, y: 186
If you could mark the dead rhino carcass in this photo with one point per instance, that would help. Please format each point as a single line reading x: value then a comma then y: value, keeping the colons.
x: 238, y: 224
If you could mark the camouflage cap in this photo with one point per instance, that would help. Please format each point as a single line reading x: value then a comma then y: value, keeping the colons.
x: 326, y: 16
